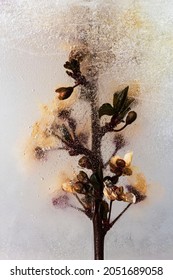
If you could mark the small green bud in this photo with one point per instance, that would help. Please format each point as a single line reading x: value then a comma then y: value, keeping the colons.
x: 64, y: 92
x: 131, y: 117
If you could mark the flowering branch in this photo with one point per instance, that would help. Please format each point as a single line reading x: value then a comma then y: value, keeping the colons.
x: 95, y: 191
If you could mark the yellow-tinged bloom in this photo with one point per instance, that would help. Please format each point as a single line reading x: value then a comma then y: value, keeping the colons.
x: 117, y: 193
x: 109, y: 193
x: 114, y: 159
x: 68, y: 186
x: 122, y: 166
x: 127, y: 158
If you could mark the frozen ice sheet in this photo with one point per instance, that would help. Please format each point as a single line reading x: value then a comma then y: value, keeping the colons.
x: 133, y: 41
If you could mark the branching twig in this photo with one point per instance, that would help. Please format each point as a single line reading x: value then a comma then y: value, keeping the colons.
x: 113, y: 154
x: 110, y: 210
x: 77, y: 208
x: 86, y: 211
x: 77, y: 197
x: 119, y: 216
x: 109, y: 128
x: 76, y: 145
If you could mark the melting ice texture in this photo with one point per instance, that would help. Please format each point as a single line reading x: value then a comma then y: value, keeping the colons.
x: 133, y: 41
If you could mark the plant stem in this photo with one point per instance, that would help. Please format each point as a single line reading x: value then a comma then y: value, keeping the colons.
x: 98, y: 230
x: 110, y: 210
x: 98, y: 233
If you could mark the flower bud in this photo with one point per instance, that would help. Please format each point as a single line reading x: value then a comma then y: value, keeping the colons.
x: 79, y: 188
x: 114, y: 179
x: 119, y: 191
x: 117, y: 170
x: 64, y: 92
x: 39, y: 153
x: 131, y: 117
x: 127, y: 171
x: 120, y: 163
x: 114, y: 120
x: 68, y: 186
x: 82, y: 177
x: 85, y: 162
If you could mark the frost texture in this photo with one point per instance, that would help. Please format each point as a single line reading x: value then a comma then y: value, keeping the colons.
x: 131, y: 44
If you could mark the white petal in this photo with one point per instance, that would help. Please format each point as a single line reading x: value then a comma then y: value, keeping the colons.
x: 130, y: 197
x: 128, y: 158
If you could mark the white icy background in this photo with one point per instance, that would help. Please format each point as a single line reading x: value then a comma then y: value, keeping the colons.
x: 34, y: 43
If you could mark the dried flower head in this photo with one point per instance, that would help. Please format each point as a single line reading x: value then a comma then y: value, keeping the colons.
x: 121, y: 166
x: 117, y: 193
x: 110, y: 193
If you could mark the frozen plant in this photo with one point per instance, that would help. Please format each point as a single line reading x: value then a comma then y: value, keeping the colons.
x: 97, y: 186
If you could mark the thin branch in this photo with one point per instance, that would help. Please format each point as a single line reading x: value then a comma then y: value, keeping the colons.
x: 110, y: 210
x: 109, y: 128
x: 60, y: 138
x: 77, y: 208
x: 76, y: 145
x: 113, y: 154
x: 119, y: 216
x: 77, y: 197
x: 86, y: 211
x: 117, y: 130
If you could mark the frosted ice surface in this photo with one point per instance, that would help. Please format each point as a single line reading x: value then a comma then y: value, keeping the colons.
x: 132, y: 45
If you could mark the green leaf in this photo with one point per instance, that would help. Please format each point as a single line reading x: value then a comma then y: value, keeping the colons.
x: 127, y: 103
x: 94, y: 181
x: 104, y: 209
x: 119, y: 99
x: 125, y: 109
x: 99, y: 173
x: 106, y: 109
x: 115, y: 98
